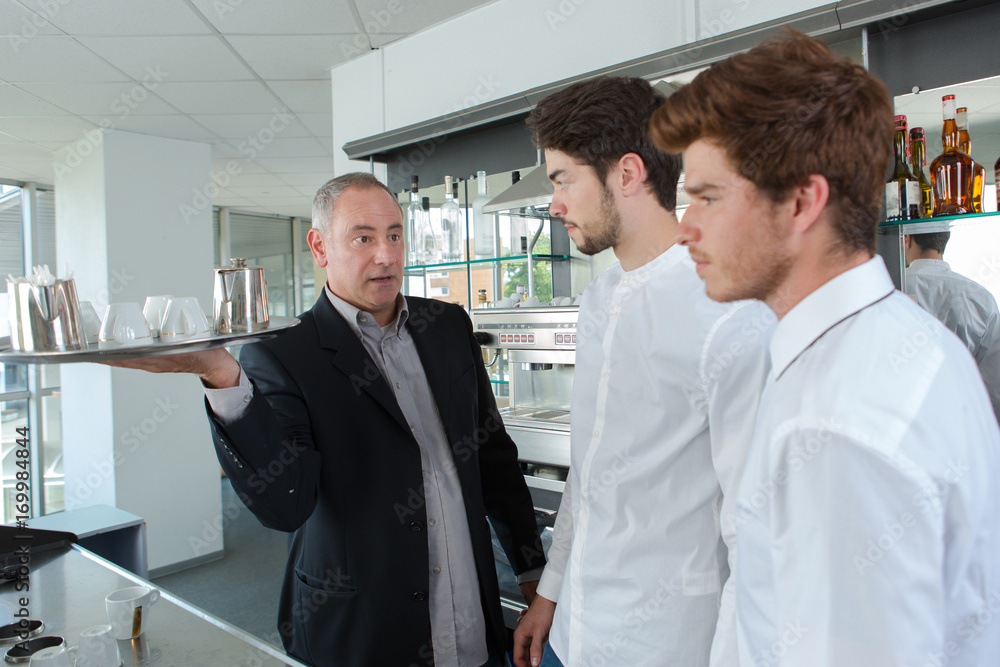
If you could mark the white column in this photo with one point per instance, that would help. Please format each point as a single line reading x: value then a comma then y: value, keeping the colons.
x: 132, y: 221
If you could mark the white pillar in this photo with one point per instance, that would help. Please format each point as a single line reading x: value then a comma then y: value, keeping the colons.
x: 133, y: 220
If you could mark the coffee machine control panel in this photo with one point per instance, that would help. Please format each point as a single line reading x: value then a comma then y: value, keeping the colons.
x: 550, y: 328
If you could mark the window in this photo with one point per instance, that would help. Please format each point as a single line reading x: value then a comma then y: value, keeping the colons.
x: 29, y: 395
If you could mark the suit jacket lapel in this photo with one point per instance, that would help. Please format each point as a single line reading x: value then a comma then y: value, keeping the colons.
x: 352, y: 359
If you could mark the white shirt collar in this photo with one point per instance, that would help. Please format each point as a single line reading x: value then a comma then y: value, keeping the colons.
x: 835, y: 301
x: 672, y: 255
x: 353, y: 314
x: 928, y: 266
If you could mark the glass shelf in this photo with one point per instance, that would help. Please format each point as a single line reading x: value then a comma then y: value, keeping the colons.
x: 939, y: 224
x: 419, y: 268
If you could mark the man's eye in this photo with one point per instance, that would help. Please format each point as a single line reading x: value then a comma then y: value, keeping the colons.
x: 363, y: 239
x: 396, y: 237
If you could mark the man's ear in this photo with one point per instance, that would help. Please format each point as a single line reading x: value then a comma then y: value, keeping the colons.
x: 630, y: 174
x: 810, y: 201
x: 317, y: 245
x: 907, y: 241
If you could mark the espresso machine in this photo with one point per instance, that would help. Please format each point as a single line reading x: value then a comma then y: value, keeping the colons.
x: 540, y: 348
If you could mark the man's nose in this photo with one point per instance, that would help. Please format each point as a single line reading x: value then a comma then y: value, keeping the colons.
x: 557, y: 209
x: 386, y: 252
x: 687, y: 233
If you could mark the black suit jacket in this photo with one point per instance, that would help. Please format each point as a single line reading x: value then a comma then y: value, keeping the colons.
x: 325, y: 454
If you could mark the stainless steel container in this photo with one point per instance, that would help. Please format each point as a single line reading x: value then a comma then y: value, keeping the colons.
x: 240, y: 300
x: 45, y: 318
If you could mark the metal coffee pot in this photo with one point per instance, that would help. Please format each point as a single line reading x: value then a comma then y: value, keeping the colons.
x: 240, y: 301
x: 44, y: 318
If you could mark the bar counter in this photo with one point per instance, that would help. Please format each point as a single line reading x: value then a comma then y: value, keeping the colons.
x: 67, y: 590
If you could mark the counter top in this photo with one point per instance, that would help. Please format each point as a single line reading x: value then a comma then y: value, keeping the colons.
x: 67, y: 589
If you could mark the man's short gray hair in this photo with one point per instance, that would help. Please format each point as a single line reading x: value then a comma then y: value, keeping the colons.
x: 326, y: 197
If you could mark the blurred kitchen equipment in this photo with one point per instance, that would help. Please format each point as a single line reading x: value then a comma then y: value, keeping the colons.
x: 45, y: 317
x: 240, y: 301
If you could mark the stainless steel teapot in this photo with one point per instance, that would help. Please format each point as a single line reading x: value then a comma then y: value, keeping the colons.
x: 240, y: 300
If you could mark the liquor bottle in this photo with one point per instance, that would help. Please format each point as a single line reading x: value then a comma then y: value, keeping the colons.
x: 414, y: 214
x: 430, y: 241
x: 951, y: 172
x: 483, y: 222
x: 902, y: 190
x: 451, y: 225
x: 518, y: 225
x: 965, y: 146
x: 918, y: 160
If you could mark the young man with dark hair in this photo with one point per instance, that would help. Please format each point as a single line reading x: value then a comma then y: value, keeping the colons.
x: 866, y: 516
x: 964, y: 306
x: 665, y: 389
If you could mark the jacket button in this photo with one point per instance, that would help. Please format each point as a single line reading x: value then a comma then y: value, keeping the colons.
x: 417, y: 526
x: 420, y: 596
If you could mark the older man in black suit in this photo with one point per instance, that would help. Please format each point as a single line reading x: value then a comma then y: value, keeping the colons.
x: 370, y: 433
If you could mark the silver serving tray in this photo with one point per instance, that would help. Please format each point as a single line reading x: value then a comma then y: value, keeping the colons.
x: 118, y: 352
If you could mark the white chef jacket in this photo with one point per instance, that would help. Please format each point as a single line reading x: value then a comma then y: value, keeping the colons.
x: 665, y: 389
x: 965, y: 307
x: 869, y: 501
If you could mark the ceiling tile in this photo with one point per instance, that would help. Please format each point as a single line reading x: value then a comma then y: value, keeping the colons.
x: 121, y: 17
x: 47, y: 58
x: 23, y: 150
x: 295, y: 57
x: 241, y: 126
x: 310, y: 192
x: 378, y: 40
x: 282, y: 147
x: 46, y: 128
x: 240, y: 166
x: 292, y: 165
x: 18, y: 174
x: 175, y: 126
x: 294, y: 17
x: 256, y: 181
x: 217, y: 98
x: 194, y: 58
x: 310, y: 182
x: 305, y: 96
x: 257, y: 192
x: 320, y: 124
x: 111, y: 100
x: 21, y: 23
x: 16, y: 102
x: 376, y: 17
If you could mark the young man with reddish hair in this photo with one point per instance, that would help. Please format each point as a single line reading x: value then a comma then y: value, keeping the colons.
x: 866, y: 516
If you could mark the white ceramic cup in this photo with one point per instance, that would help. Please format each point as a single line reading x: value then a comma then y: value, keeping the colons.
x: 154, y: 309
x: 183, y: 318
x: 531, y: 302
x: 504, y: 303
x: 54, y: 656
x: 124, y: 324
x: 128, y: 610
x: 98, y: 648
x: 91, y: 322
